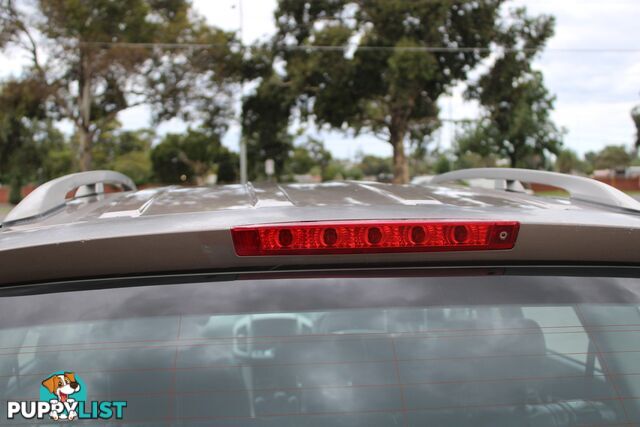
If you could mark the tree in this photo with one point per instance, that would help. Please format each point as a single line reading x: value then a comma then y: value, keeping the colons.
x: 57, y: 158
x: 126, y: 152
x: 516, y: 122
x: 471, y: 160
x: 136, y: 165
x: 443, y: 165
x: 31, y: 148
x: 312, y: 158
x: 228, y: 171
x: 342, y: 169
x: 167, y: 167
x: 635, y: 116
x: 265, y: 126
x: 374, y: 165
x: 21, y: 113
x: 380, y: 66
x: 301, y: 161
x: 97, y: 59
x: 191, y: 157
x: 472, y: 147
x: 320, y: 155
x: 612, y: 157
x: 569, y: 162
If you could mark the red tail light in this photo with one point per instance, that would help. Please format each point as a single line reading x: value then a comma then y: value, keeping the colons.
x: 358, y: 237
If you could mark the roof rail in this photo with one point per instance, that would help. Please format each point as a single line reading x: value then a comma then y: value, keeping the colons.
x: 579, y: 188
x: 52, y: 195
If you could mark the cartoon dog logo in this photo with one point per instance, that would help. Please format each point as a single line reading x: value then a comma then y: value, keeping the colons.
x: 62, y: 385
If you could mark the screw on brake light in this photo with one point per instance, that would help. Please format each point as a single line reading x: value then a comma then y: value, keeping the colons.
x: 362, y: 237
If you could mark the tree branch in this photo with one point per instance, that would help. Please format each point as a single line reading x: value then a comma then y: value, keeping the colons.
x: 32, y: 47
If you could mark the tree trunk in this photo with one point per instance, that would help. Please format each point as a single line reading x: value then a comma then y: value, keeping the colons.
x: 86, y: 157
x: 397, y: 132
x: 513, y: 159
x: 84, y: 125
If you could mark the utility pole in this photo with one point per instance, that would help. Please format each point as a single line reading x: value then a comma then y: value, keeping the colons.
x: 243, y: 142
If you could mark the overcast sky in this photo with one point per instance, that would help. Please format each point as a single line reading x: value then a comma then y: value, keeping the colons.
x: 595, y: 90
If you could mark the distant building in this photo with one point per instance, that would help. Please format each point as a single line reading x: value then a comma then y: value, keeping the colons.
x: 630, y: 172
x: 623, y: 179
x: 604, y: 173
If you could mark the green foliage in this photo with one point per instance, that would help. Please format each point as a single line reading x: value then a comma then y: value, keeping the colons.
x: 374, y: 165
x: 167, y: 167
x: 635, y: 116
x: 58, y: 160
x: 469, y: 160
x: 265, y: 126
x: 31, y: 148
x: 311, y: 158
x: 473, y: 148
x: 338, y: 170
x: 20, y: 109
x: 612, y: 157
x: 90, y: 74
x: 227, y: 162
x: 568, y: 161
x: 375, y: 70
x: 443, y: 165
x: 126, y: 152
x: 15, y: 195
x: 200, y: 84
x: 393, y: 91
x: 419, y: 161
x: 194, y: 155
x: 136, y: 165
x: 123, y: 21
x: 320, y: 155
x: 517, y: 123
x: 301, y: 162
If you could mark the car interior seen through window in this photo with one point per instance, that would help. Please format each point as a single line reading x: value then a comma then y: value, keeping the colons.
x: 177, y: 352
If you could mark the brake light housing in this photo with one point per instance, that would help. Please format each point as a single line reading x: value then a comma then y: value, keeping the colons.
x: 362, y: 237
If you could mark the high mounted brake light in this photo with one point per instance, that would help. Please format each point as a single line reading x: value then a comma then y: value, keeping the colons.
x: 360, y: 237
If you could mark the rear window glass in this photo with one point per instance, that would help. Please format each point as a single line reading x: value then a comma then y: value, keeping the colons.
x: 375, y: 351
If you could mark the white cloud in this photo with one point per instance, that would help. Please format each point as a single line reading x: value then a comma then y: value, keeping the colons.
x: 257, y: 16
x: 12, y: 63
x: 593, y: 126
x: 595, y: 90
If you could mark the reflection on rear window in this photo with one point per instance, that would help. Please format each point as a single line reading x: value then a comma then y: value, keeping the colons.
x: 448, y: 365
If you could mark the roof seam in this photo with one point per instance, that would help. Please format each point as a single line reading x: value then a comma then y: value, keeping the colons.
x: 381, y: 192
x: 286, y: 195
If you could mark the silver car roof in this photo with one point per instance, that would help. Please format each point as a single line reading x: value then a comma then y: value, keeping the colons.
x: 185, y: 229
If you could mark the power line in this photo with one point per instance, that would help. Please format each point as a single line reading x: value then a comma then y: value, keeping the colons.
x: 342, y: 48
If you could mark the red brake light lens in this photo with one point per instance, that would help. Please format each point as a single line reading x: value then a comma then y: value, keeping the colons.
x: 358, y: 237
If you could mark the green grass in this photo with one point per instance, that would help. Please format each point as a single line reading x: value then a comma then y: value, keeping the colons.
x: 557, y: 193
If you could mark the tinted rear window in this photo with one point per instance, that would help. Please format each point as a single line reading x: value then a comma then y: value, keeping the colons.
x: 374, y: 351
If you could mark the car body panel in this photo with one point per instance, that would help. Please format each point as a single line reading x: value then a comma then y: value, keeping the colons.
x: 175, y: 229
x: 281, y: 198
